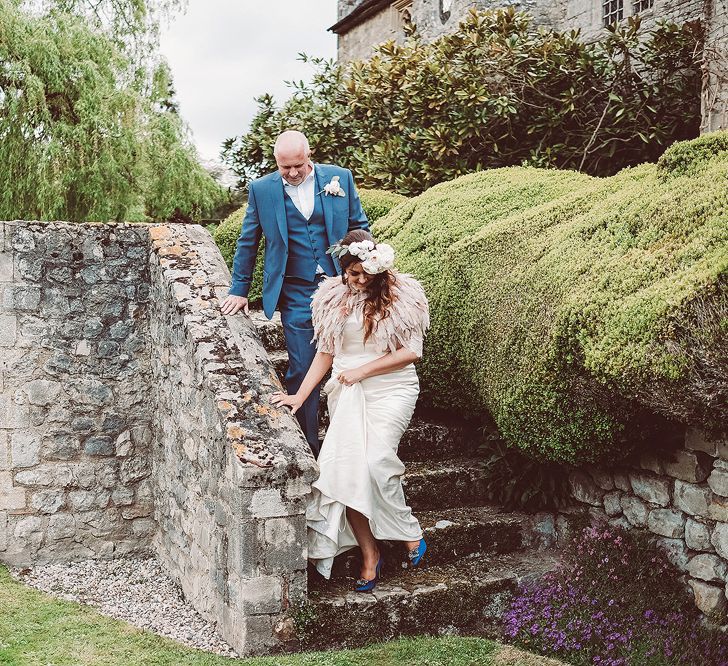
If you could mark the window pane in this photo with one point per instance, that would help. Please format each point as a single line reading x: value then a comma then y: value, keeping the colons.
x: 613, y: 10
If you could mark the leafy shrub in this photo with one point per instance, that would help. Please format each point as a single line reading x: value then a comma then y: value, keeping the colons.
x: 614, y: 601
x: 691, y: 156
x: 573, y: 309
x: 517, y: 482
x: 500, y: 91
x: 226, y: 238
x: 375, y: 203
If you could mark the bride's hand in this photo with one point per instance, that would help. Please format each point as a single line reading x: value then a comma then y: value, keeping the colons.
x: 284, y: 400
x: 350, y: 377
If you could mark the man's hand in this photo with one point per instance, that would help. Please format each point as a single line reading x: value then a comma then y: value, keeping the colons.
x: 233, y: 304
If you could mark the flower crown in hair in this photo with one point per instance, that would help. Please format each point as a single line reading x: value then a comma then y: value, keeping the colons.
x: 374, y: 258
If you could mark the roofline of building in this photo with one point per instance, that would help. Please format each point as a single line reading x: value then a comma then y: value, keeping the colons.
x: 359, y: 15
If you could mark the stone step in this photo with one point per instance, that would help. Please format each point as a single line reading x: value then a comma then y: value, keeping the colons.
x: 451, y: 534
x: 443, y: 484
x: 279, y: 359
x: 423, y: 441
x: 464, y: 598
x: 428, y: 439
x: 269, y: 330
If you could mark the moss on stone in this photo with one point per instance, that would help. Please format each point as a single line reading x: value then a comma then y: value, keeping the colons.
x: 573, y: 308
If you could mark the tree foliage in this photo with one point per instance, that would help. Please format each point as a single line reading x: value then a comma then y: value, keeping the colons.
x: 497, y: 92
x: 83, y: 136
x: 133, y: 25
x: 317, y: 108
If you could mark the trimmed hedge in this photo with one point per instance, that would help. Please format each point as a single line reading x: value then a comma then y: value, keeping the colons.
x: 574, y: 309
x: 376, y: 203
x: 226, y: 238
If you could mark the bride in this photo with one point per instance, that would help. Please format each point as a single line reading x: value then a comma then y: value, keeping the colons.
x: 369, y: 328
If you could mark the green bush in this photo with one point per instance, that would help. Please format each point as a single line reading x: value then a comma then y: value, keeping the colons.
x: 375, y: 203
x: 575, y: 309
x: 499, y: 91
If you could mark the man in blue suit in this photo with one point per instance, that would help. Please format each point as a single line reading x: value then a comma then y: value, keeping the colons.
x: 301, y: 209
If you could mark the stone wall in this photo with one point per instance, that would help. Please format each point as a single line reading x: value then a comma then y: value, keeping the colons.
x: 682, y: 499
x: 426, y: 13
x: 134, y: 416
x: 231, y: 474
x: 715, y: 67
x: 74, y: 415
x: 585, y: 15
x: 359, y: 42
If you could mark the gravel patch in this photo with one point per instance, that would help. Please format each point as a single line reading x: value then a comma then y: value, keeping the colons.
x: 136, y: 590
x: 512, y: 656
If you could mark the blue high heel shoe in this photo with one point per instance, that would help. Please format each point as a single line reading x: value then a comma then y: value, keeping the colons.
x: 416, y: 554
x: 364, y: 585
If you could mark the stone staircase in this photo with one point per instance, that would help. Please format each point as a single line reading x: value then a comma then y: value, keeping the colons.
x: 477, y: 553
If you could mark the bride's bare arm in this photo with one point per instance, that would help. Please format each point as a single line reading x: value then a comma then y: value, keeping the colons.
x: 319, y: 367
x: 381, y: 366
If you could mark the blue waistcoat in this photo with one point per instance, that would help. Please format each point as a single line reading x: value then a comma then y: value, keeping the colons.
x: 307, y: 242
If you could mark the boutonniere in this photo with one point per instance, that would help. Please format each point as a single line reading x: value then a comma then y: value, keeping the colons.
x: 333, y: 188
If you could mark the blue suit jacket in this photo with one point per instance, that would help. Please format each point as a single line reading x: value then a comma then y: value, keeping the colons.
x: 266, y: 216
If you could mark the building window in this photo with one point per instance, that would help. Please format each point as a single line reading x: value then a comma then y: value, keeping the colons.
x: 612, y: 11
x: 642, y: 5
x: 445, y: 10
x: 402, y: 14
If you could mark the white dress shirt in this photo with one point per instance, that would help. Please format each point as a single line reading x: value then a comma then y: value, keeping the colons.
x: 302, y: 195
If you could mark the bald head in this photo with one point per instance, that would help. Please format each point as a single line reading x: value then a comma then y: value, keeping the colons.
x: 291, y: 141
x: 292, y: 154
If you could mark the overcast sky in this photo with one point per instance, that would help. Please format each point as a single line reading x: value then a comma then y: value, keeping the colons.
x: 224, y: 53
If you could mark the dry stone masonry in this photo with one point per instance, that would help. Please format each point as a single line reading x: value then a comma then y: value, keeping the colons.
x: 74, y: 412
x: 232, y: 474
x: 682, y: 499
x: 133, y: 417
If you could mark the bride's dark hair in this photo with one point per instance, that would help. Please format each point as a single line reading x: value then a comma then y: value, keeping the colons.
x: 379, y: 299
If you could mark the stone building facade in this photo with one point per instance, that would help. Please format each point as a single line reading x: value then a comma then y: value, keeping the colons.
x: 362, y: 24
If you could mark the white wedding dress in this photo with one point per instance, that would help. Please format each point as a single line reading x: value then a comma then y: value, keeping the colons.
x: 358, y: 460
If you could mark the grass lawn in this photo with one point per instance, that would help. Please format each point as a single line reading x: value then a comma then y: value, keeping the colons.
x: 37, y: 630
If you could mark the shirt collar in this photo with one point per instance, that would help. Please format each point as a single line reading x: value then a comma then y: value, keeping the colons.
x: 304, y: 181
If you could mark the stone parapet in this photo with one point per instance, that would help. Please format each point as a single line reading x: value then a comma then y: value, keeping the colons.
x: 232, y: 473
x: 135, y: 416
x: 681, y: 498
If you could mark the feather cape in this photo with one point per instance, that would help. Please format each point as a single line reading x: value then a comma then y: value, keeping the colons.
x: 405, y: 326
